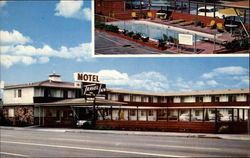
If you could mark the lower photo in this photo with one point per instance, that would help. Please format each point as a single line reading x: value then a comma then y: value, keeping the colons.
x: 127, y: 107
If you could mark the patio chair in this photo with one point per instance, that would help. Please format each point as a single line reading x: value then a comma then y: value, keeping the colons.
x: 186, y: 23
x: 176, y: 21
x: 220, y: 27
x: 211, y: 25
x: 134, y: 16
x: 150, y: 15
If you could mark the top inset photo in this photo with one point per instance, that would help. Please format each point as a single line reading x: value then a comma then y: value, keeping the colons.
x: 171, y: 27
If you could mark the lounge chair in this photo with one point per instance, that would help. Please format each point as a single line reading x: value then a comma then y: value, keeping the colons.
x: 176, y: 21
x: 134, y: 16
x: 150, y: 15
x: 211, y: 24
x: 220, y: 27
x: 186, y: 23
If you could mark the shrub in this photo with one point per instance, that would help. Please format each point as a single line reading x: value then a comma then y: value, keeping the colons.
x: 161, y: 42
x: 165, y: 37
x: 224, y: 129
x: 130, y: 34
x: 125, y: 32
x: 196, y: 21
x: 238, y: 44
x: 136, y: 36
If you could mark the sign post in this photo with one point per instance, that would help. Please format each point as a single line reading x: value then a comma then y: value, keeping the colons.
x: 90, y: 88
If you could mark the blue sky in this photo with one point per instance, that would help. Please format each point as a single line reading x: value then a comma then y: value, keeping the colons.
x: 39, y: 38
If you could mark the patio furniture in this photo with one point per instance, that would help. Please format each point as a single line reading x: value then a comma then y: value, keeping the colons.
x: 176, y: 21
x: 211, y: 24
x: 186, y: 23
x: 134, y: 16
x: 150, y: 15
x: 220, y: 27
x: 231, y: 26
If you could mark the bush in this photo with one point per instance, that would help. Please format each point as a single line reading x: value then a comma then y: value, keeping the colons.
x: 130, y: 34
x: 224, y: 129
x: 136, y: 36
x: 238, y: 44
x: 111, y: 28
x: 196, y: 22
x: 161, y: 42
x: 165, y: 37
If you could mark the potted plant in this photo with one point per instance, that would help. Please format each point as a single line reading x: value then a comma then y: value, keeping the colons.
x: 161, y: 43
x: 196, y: 21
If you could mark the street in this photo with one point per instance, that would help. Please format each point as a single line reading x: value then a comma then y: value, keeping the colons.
x: 34, y: 143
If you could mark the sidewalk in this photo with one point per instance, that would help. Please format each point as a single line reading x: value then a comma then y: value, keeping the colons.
x: 167, y: 134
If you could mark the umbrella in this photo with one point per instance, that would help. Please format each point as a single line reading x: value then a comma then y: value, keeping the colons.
x: 231, y: 12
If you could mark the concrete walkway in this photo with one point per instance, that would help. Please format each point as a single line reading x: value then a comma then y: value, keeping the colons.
x: 144, y: 133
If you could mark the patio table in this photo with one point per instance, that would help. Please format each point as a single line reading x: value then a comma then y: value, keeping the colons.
x: 231, y: 26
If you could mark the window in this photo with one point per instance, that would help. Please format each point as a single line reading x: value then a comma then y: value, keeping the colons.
x: 11, y: 112
x: 150, y: 113
x: 143, y: 113
x: 19, y: 93
x: 162, y: 114
x: 145, y: 99
x: 246, y: 114
x: 126, y: 97
x: 184, y: 115
x: 132, y: 113
x: 196, y: 114
x: 172, y: 115
x: 224, y: 114
x: 209, y: 115
x: 155, y: 99
x: 236, y: 114
x: 199, y: 99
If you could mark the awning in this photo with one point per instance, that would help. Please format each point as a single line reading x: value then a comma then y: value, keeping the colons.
x: 231, y: 12
x: 80, y: 102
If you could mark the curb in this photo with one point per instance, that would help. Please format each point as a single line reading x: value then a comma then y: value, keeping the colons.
x: 243, y: 137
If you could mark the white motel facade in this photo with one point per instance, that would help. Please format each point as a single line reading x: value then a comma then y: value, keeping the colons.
x: 55, y: 103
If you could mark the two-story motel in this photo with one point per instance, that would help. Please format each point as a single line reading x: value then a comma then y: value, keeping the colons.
x: 57, y: 103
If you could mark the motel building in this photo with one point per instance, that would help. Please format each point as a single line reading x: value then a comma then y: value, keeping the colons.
x: 55, y: 103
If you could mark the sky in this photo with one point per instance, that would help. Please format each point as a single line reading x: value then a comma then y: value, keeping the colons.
x: 42, y: 37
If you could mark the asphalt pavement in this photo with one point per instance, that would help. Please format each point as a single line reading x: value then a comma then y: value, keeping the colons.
x: 106, y: 44
x: 58, y: 142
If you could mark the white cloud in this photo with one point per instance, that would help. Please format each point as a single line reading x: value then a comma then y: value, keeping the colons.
x: 3, y: 3
x: 12, y: 54
x: 14, y: 37
x: 212, y: 83
x: 43, y: 60
x: 230, y: 70
x: 15, y: 51
x: 9, y: 60
x: 149, y: 81
x: 73, y: 9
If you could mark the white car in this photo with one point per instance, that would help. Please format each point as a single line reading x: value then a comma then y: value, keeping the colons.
x: 209, y: 12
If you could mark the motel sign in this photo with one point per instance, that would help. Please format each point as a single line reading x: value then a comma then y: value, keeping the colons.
x: 90, y: 84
